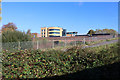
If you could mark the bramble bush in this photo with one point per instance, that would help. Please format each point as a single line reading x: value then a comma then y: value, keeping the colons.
x: 40, y: 64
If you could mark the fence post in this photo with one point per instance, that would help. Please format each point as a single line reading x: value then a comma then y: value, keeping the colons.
x: 18, y: 45
x: 89, y: 40
x: 32, y: 44
x: 92, y: 39
x: 75, y: 42
x: 65, y: 42
x: 53, y: 43
x: 37, y: 44
x: 84, y: 40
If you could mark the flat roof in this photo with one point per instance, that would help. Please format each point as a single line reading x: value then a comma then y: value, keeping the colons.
x: 72, y: 32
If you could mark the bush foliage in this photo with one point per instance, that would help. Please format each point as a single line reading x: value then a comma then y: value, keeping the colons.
x: 15, y: 36
x: 40, y: 64
x: 11, y: 34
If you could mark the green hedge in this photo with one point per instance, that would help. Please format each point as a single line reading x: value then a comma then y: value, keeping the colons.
x: 40, y: 64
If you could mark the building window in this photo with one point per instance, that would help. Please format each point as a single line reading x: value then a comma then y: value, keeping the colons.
x: 53, y: 36
x: 54, y: 29
x: 54, y: 32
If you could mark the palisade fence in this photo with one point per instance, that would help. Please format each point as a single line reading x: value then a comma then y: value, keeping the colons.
x: 47, y: 44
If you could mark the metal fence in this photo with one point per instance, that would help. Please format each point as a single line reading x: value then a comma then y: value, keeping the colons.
x: 47, y: 44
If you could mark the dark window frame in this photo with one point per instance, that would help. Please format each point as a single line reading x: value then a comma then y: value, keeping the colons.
x: 54, y: 29
x: 54, y: 32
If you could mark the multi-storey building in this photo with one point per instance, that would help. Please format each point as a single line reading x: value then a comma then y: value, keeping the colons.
x: 51, y: 32
x: 44, y: 32
x: 55, y: 32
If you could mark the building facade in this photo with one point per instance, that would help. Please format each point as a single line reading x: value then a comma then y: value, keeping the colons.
x: 55, y: 32
x: 70, y: 34
x: 44, y: 32
x: 64, y: 32
x: 51, y: 32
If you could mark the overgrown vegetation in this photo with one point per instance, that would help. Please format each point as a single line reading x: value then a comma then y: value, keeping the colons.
x: 11, y: 34
x: 11, y: 37
x: 40, y: 64
x: 100, y: 41
x: 15, y: 36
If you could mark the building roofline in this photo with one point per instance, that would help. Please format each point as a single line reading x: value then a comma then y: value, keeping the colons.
x: 56, y: 27
x: 72, y: 32
x: 43, y: 27
x: 52, y: 26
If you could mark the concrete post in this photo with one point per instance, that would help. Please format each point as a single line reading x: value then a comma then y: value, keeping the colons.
x: 37, y: 44
x: 65, y: 42
x: 75, y: 42
x: 84, y: 40
x: 53, y: 43
x: 18, y: 45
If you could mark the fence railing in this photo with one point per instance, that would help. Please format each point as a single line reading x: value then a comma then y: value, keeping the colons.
x: 47, y: 44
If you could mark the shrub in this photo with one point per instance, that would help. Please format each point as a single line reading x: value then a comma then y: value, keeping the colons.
x: 11, y: 40
x: 79, y: 42
x: 15, y: 36
x: 86, y: 43
x: 107, y: 40
x: 40, y: 64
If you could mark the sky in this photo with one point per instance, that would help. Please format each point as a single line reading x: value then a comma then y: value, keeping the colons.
x: 60, y: 0
x: 73, y: 16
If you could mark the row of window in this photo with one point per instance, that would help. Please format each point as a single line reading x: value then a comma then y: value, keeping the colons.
x: 43, y: 33
x: 54, y: 32
x: 43, y: 29
x: 71, y: 33
x: 53, y: 36
x: 54, y: 29
x: 43, y: 36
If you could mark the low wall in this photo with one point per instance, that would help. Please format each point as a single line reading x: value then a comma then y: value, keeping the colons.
x: 76, y: 38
